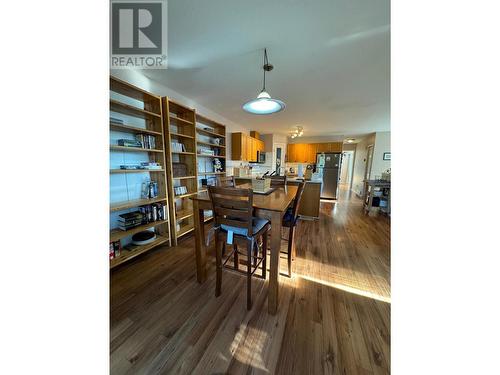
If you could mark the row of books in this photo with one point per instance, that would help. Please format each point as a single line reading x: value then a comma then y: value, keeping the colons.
x: 147, y: 141
x: 178, y: 147
x: 207, y: 151
x: 146, y: 214
x: 129, y: 143
x: 151, y: 165
x: 180, y: 190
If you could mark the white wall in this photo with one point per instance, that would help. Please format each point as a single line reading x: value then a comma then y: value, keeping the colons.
x: 360, y: 163
x: 382, y: 144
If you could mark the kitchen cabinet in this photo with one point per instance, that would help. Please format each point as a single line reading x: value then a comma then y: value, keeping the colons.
x: 244, y: 147
x: 306, y: 152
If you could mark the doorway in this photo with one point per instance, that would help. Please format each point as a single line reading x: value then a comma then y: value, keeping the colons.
x: 346, y: 169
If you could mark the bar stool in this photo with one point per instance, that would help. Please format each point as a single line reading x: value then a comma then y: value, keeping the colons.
x: 290, y: 222
x: 234, y: 224
x: 277, y: 181
x: 227, y: 181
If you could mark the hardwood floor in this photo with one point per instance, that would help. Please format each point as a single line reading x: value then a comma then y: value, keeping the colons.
x: 333, y: 317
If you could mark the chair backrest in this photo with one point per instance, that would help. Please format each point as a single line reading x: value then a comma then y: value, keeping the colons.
x: 232, y: 207
x: 277, y: 181
x: 296, y: 201
x: 227, y: 181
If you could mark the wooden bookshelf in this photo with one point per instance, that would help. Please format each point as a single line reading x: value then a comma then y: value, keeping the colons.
x: 210, y: 135
x: 132, y: 149
x: 137, y: 170
x: 118, y: 206
x: 148, y: 108
x: 179, y: 127
x: 138, y: 250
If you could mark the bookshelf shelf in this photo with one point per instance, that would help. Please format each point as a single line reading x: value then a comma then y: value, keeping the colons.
x: 211, y: 156
x: 183, y: 214
x: 138, y: 250
x: 185, y: 230
x: 208, y: 132
x: 118, y: 206
x: 183, y: 153
x: 126, y: 89
x: 132, y: 129
x: 185, y: 195
x: 210, y: 144
x: 113, y: 171
x: 133, y: 149
x: 184, y: 177
x: 181, y: 135
x: 181, y: 120
x: 149, y: 109
x: 130, y: 110
x: 117, y: 234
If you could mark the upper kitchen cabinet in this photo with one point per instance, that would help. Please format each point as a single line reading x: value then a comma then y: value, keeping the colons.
x: 306, y: 152
x: 245, y: 148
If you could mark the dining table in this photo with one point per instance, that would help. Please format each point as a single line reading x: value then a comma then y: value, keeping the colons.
x: 271, y: 206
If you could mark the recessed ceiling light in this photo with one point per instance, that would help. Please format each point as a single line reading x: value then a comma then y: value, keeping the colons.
x: 350, y: 140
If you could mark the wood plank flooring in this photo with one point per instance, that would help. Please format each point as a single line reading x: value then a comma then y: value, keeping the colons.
x: 333, y: 317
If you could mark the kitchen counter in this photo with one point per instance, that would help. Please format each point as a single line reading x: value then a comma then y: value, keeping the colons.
x: 301, y: 179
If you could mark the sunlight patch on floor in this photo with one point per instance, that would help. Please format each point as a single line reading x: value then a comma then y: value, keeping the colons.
x: 347, y: 288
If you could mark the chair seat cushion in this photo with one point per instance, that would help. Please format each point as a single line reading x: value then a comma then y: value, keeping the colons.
x: 257, y: 224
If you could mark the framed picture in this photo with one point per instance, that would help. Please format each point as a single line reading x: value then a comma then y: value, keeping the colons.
x: 387, y: 156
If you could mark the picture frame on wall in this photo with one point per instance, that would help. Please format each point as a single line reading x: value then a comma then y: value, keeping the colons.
x: 387, y: 156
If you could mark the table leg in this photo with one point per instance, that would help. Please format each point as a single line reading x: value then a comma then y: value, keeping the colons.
x: 200, y: 251
x: 272, y: 303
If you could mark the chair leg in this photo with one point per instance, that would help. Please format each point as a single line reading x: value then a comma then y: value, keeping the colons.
x: 218, y: 262
x: 236, y: 260
x: 291, y: 239
x: 249, y: 273
x: 264, y: 255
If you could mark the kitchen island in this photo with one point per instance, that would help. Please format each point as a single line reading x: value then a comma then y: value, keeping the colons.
x: 309, y: 203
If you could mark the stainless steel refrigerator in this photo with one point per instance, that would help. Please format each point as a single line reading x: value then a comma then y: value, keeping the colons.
x: 328, y: 165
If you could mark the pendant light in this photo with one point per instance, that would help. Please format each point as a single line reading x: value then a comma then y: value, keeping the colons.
x: 264, y: 104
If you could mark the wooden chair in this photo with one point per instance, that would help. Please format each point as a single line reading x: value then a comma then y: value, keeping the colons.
x: 290, y: 222
x: 234, y: 223
x: 277, y: 181
x: 227, y: 181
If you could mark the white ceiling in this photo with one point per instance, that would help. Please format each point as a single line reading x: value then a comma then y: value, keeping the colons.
x: 331, y: 61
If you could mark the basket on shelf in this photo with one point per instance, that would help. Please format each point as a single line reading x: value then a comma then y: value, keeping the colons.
x: 179, y: 169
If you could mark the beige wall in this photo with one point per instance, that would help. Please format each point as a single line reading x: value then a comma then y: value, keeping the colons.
x: 360, y: 163
x: 382, y: 145
x: 381, y: 142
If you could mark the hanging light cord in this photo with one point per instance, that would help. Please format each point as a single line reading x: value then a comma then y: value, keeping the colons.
x: 266, y: 62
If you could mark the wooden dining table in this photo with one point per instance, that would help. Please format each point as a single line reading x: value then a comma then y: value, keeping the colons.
x: 272, y: 207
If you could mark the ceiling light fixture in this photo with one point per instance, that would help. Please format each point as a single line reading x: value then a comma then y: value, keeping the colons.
x: 264, y: 104
x: 297, y: 132
x: 350, y: 140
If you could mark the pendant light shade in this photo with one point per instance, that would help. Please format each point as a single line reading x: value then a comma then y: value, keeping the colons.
x: 264, y: 104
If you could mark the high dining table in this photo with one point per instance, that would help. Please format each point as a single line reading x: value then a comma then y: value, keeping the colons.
x: 272, y: 207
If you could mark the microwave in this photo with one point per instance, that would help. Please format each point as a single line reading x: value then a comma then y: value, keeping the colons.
x: 261, y: 157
